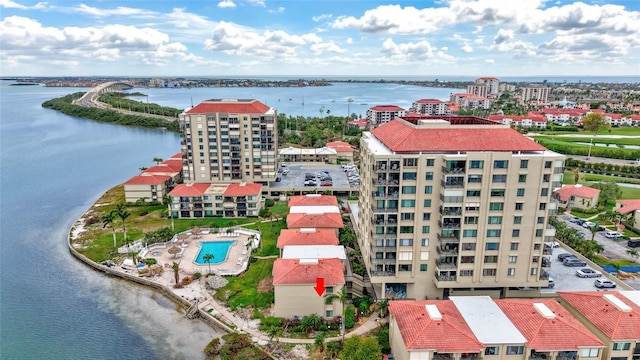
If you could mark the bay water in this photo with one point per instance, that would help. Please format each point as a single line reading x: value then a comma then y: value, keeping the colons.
x: 53, y: 167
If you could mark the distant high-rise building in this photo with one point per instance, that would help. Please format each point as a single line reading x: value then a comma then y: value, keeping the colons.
x: 382, y: 114
x: 538, y: 93
x: 230, y: 141
x: 430, y: 107
x: 493, y: 84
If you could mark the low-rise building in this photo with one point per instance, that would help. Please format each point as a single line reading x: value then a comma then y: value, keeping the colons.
x: 382, y: 114
x: 577, y: 196
x: 430, y: 107
x: 196, y: 200
x: 146, y: 187
x: 614, y: 316
x: 631, y: 208
x: 294, y: 283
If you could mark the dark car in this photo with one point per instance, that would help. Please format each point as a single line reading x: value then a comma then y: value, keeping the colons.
x: 309, y: 176
x: 563, y: 256
x: 633, y: 243
x: 571, y: 261
x: 580, y: 222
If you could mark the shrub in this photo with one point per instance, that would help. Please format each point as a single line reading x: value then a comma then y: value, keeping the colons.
x: 196, y: 276
x: 150, y: 261
x: 144, y: 213
x: 212, y: 349
x: 269, y: 203
x: 349, y: 317
x: 186, y: 280
x: 93, y: 219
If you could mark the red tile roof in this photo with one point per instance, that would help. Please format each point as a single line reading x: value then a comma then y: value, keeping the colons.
x: 567, y: 191
x: 429, y: 101
x: 503, y: 117
x: 564, y: 332
x: 420, y: 332
x: 401, y: 136
x: 320, y: 221
x: 387, y: 108
x: 175, y: 164
x: 242, y: 189
x: 313, y: 200
x: 240, y: 107
x: 362, y: 123
x: 177, y: 156
x: 292, y: 272
x: 628, y: 206
x: 193, y: 189
x: 162, y: 168
x: 340, y: 146
x: 615, y: 324
x: 147, y: 180
x: 307, y: 237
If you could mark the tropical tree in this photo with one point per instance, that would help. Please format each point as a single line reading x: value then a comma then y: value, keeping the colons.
x: 614, y: 216
x: 123, y: 214
x: 176, y: 271
x: 594, y: 230
x: 274, y: 331
x: 608, y: 191
x: 207, y: 258
x: 157, y: 160
x: 342, y: 298
x: 143, y: 168
x: 107, y: 220
x: 383, y: 305
x: 359, y: 348
x: 311, y: 322
x: 633, y: 253
x: 319, y: 341
x: 576, y: 174
x: 594, y: 122
x: 618, y: 267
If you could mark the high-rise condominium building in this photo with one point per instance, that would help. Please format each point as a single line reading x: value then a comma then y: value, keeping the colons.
x: 455, y: 206
x: 538, y: 93
x: 229, y: 141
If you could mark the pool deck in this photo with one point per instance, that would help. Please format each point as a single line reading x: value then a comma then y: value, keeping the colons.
x: 236, y: 261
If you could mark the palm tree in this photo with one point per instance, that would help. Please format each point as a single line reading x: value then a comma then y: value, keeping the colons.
x: 121, y: 211
x: 383, y: 305
x: 157, y: 160
x: 594, y: 230
x: 633, y: 253
x: 107, y: 220
x: 342, y: 298
x: 207, y: 258
x: 176, y: 268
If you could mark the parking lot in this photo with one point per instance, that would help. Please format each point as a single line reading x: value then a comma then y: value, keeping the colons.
x: 295, y: 178
x: 565, y: 277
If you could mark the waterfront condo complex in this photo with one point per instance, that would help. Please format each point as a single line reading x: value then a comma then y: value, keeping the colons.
x: 455, y: 206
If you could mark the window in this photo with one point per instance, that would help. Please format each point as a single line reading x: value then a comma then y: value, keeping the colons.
x: 473, y: 193
x: 586, y: 353
x: 520, y: 192
x: 540, y: 220
x: 522, y: 178
x: 405, y: 255
x: 468, y: 246
x: 425, y: 242
x: 470, y: 233
x: 489, y: 272
x: 517, y: 219
x: 427, y: 203
x: 405, y: 267
x: 476, y: 164
x: 410, y: 162
x: 491, y: 350
x: 408, y: 189
x: 519, y: 206
x: 470, y: 220
x: 542, y: 206
x: 496, y: 206
x: 467, y: 259
x: 524, y: 164
x: 499, y: 179
x: 431, y: 162
x: 513, y: 259
x: 329, y: 313
x: 406, y: 216
x: 500, y: 164
x: 329, y: 289
x: 544, y: 192
x: 474, y: 179
x: 428, y: 176
x: 493, y: 232
x: 492, y: 246
x: 409, y: 176
x: 534, y: 271
x: 494, y: 220
x: 621, y: 346
x: 406, y: 242
x: 423, y: 267
x: 407, y: 203
x: 406, y: 229
x: 497, y: 192
x: 490, y: 259
x: 466, y: 272
x: 515, y: 233
x: 547, y: 164
x: 428, y: 189
x: 426, y: 216
x: 514, y: 246
x: 424, y: 255
x: 515, y: 350
x: 426, y: 229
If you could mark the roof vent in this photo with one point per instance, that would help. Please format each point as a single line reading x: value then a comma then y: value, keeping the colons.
x: 308, y: 261
x: 314, y: 195
x: 544, y: 311
x: 433, y: 312
x: 243, y: 183
x: 308, y: 230
x: 617, y: 302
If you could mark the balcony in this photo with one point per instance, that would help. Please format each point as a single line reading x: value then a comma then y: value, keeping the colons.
x: 384, y: 209
x: 451, y: 211
x: 448, y: 239
x: 449, y: 276
x: 382, y: 261
x: 446, y: 265
x: 540, y: 355
x: 451, y: 199
x: 447, y: 250
x: 453, y: 182
x: 384, y: 249
x: 446, y: 224
x: 228, y: 205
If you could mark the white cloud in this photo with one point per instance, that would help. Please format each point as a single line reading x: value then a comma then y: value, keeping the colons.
x: 226, y: 4
x: 413, y: 52
x: 393, y: 19
x: 467, y: 48
x: 257, y: 2
x: 502, y: 36
x: 14, y: 5
x: 327, y: 47
x: 349, y: 41
x: 120, y: 10
x: 489, y: 61
x: 321, y: 17
x: 279, y: 10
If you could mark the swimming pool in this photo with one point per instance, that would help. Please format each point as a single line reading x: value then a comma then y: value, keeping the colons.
x: 219, y: 250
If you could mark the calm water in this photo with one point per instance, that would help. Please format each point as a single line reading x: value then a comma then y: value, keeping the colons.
x: 219, y: 250
x: 53, y: 167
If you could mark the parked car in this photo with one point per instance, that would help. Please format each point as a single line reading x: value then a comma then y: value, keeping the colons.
x: 588, y: 224
x: 285, y: 171
x: 604, y: 283
x: 310, y: 183
x: 612, y: 234
x: 278, y: 179
x: 556, y: 244
x: 633, y: 243
x: 575, y: 220
x: 552, y: 283
x: 572, y: 261
x: 580, y: 221
x: 601, y: 228
x: 326, y: 183
x: 588, y: 273
x: 563, y: 256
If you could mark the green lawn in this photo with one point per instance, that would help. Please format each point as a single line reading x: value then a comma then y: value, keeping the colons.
x: 242, y: 290
x: 597, y: 140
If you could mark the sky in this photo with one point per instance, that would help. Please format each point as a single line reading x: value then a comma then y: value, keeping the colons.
x: 158, y: 38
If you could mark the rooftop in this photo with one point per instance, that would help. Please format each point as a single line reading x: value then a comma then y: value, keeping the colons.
x: 314, y: 252
x: 404, y: 137
x: 627, y: 206
x: 296, y: 271
x: 290, y: 237
x: 318, y: 209
x: 234, y: 106
x: 242, y: 189
x: 489, y: 324
x: 567, y: 191
x: 386, y: 108
x: 330, y: 220
x: 147, y: 180
x: 312, y: 200
x: 190, y: 189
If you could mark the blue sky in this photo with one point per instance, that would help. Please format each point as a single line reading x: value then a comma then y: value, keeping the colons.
x: 314, y: 38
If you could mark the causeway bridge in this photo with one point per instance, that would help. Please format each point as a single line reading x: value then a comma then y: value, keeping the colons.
x: 90, y: 99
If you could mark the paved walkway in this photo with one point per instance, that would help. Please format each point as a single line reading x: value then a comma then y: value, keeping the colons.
x: 242, y: 325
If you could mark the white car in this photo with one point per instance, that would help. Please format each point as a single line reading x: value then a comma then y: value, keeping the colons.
x: 588, y: 224
x: 588, y: 273
x: 612, y: 234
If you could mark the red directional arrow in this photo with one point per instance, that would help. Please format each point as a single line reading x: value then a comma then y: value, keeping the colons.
x: 319, y: 286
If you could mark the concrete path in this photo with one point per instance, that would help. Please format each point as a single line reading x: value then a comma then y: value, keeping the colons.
x: 241, y: 325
